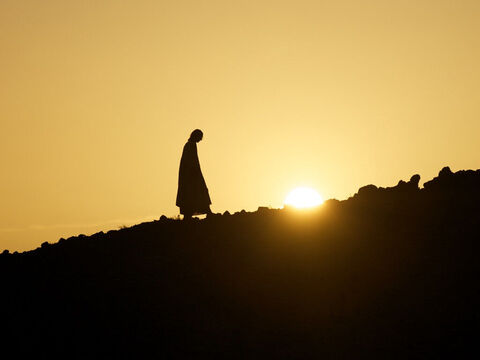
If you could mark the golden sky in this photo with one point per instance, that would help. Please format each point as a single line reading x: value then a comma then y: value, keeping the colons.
x: 97, y: 99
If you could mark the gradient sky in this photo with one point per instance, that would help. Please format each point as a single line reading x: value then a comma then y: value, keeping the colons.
x: 97, y: 99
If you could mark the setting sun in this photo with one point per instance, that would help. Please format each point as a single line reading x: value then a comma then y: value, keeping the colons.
x: 303, y: 197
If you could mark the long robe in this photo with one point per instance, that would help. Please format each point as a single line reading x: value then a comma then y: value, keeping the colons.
x: 192, y: 196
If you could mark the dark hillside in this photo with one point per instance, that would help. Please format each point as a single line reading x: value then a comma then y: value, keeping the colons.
x: 388, y: 273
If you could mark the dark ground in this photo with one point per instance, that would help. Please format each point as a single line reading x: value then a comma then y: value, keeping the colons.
x: 390, y: 273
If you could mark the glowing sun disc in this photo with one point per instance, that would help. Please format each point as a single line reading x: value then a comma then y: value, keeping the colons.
x: 303, y: 197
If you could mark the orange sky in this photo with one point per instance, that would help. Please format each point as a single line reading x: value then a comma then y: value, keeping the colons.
x: 98, y: 97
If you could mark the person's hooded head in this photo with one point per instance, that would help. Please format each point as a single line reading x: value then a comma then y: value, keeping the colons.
x: 196, y: 135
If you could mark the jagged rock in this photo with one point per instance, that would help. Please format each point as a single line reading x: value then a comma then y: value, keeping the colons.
x: 411, y: 185
x: 367, y: 190
x: 414, y: 180
x: 448, y: 183
x: 445, y: 172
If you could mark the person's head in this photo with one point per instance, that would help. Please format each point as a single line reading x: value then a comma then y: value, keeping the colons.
x: 196, y: 135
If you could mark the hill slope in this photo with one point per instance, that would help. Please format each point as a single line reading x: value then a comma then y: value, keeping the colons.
x: 388, y: 273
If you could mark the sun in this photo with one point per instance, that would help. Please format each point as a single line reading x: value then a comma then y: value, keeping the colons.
x: 303, y: 197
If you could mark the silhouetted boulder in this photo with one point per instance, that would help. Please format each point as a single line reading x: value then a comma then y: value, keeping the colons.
x: 414, y: 180
x: 410, y: 186
x: 331, y: 202
x: 379, y: 196
x: 367, y: 190
x: 448, y: 187
x: 445, y: 172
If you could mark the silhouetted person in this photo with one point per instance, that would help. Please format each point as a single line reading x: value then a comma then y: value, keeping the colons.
x: 192, y: 195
